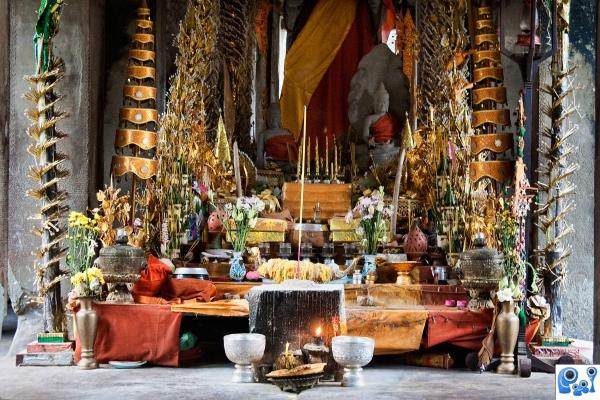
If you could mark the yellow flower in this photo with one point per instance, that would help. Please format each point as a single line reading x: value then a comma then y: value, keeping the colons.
x: 77, y: 279
x: 95, y: 272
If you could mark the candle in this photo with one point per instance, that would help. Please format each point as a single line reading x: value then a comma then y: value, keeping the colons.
x: 317, y: 166
x: 332, y: 173
x: 308, y: 159
x: 299, y: 164
x: 353, y: 158
x: 335, y: 158
x: 318, y: 339
x: 326, y: 156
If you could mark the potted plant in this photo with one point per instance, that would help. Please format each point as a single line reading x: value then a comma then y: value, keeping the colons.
x: 239, y: 218
x: 373, y: 226
x: 87, y: 281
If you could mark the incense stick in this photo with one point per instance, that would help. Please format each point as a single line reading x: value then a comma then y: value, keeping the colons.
x: 301, y: 193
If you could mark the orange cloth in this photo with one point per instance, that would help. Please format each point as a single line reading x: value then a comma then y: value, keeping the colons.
x: 311, y: 55
x: 220, y: 308
x: 152, y: 278
x: 181, y: 291
x: 136, y: 332
x: 188, y: 289
x: 464, y: 328
x: 384, y: 129
x: 461, y: 327
x: 277, y: 148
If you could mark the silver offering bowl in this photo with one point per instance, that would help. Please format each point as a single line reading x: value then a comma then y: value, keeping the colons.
x: 352, y: 353
x: 244, y: 349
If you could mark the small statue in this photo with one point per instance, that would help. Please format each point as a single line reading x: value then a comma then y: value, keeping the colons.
x: 381, y: 126
x: 380, y: 129
x: 276, y: 142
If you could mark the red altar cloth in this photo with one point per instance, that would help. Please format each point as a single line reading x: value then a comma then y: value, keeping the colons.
x: 136, y: 332
x: 460, y: 327
x: 463, y: 327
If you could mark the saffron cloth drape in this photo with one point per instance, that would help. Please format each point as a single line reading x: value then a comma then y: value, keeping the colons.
x: 311, y: 55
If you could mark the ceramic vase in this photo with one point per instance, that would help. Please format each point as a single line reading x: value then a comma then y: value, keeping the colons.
x: 507, y: 331
x: 415, y: 244
x: 369, y: 265
x: 87, y: 324
x: 237, y: 269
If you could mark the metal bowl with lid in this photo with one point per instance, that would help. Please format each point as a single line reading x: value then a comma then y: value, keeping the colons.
x: 480, y: 269
x: 193, y: 273
x: 121, y: 265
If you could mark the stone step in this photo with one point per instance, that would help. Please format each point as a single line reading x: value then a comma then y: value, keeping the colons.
x: 37, y: 347
x: 57, y: 359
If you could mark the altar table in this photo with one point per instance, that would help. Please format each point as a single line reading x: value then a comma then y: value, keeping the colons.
x: 404, y: 318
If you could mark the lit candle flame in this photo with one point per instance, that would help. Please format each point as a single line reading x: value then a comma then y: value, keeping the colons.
x: 318, y: 332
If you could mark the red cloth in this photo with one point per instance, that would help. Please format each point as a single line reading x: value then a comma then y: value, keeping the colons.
x: 328, y: 108
x: 384, y: 129
x: 179, y: 290
x: 464, y: 328
x: 136, y: 332
x: 277, y: 148
x: 152, y: 278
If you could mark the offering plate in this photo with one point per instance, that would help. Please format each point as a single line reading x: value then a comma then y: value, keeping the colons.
x: 404, y: 268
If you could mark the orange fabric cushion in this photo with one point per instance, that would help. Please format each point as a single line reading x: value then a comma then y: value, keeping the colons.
x: 152, y: 278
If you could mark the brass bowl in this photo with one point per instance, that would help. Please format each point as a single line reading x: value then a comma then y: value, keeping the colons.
x: 404, y: 268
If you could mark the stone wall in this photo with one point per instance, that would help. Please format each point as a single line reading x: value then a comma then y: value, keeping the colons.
x: 578, y: 301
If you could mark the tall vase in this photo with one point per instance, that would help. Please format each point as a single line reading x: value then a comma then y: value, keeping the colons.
x: 507, y: 330
x: 369, y: 265
x: 87, y: 323
x: 237, y: 269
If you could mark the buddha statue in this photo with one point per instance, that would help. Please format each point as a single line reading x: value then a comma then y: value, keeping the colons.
x: 380, y: 128
x: 275, y: 142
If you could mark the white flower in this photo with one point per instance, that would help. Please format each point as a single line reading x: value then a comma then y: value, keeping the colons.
x: 90, y: 250
x: 260, y: 205
x: 94, y: 285
x: 380, y: 206
x: 253, y: 222
x: 360, y: 231
x: 349, y: 216
x: 371, y: 210
x: 504, y: 295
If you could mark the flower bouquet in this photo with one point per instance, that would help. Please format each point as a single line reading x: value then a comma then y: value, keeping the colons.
x: 87, y: 281
x: 81, y: 239
x: 373, y: 227
x: 239, y: 219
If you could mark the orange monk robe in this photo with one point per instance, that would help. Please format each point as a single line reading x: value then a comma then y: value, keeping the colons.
x: 277, y: 148
x: 311, y: 55
x: 384, y: 129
